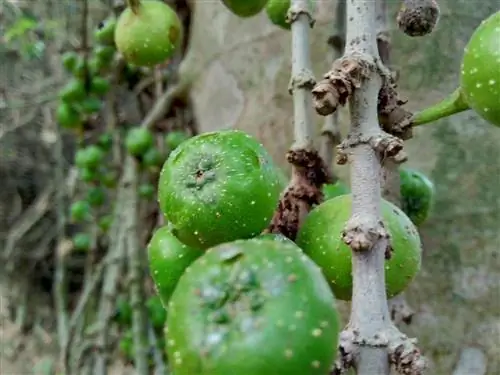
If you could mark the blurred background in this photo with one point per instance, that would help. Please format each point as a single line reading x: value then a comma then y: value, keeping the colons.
x: 238, y: 73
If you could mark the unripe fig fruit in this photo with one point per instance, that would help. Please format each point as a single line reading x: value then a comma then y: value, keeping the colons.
x: 480, y: 73
x: 67, y: 116
x: 105, y: 31
x: 479, y: 88
x: 69, y: 60
x: 320, y: 238
x: 218, y: 187
x: 252, y: 307
x: 138, y: 141
x: 417, y: 195
x: 245, y: 8
x: 168, y: 259
x: 150, y: 35
x: 82, y: 242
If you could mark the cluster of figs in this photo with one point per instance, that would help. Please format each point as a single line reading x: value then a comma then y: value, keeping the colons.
x: 242, y: 301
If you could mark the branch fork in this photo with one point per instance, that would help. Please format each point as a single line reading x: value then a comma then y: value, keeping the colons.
x: 302, y: 193
x: 385, y: 145
x: 361, y: 235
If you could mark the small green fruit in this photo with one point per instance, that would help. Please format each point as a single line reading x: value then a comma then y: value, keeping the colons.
x: 157, y: 313
x: 80, y: 211
x: 277, y: 12
x: 417, y: 195
x: 105, y: 32
x: 123, y: 315
x: 245, y: 8
x: 149, y: 36
x: 99, y: 86
x: 334, y: 190
x: 480, y: 71
x: 126, y: 346
x: 96, y: 196
x: 153, y: 158
x: 215, y: 181
x: 168, y: 259
x: 320, y: 238
x: 67, y: 116
x: 69, y: 60
x: 174, y: 139
x: 79, y: 70
x: 82, y: 242
x: 109, y: 179
x: 90, y: 105
x: 252, y: 307
x: 73, y: 91
x: 89, y: 157
x: 138, y: 141
x: 147, y: 191
x: 87, y: 175
x: 105, y: 223
x: 105, y: 141
x: 104, y: 53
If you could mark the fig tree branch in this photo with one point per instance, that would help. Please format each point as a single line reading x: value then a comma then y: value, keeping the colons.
x: 370, y: 342
x: 136, y: 273
x: 113, y: 271
x: 309, y: 172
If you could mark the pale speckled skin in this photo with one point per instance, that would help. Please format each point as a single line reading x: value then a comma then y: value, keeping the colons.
x: 168, y: 259
x: 320, y: 238
x: 282, y: 317
x: 149, y: 37
x: 480, y: 71
x: 218, y: 187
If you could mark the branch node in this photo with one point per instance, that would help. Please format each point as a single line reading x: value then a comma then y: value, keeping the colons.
x: 346, y: 74
x: 348, y: 351
x: 361, y: 234
x: 386, y: 145
x: 309, y: 173
x: 295, y: 11
x: 393, y: 118
x: 302, y: 80
x: 406, y: 356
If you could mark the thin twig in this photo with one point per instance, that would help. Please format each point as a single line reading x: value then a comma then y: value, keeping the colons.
x: 136, y: 262
x: 331, y: 136
x: 309, y: 171
x: 110, y: 283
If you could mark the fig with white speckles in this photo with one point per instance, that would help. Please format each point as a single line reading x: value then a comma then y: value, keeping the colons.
x: 252, y: 307
x: 218, y: 187
x: 168, y: 259
x: 150, y: 35
x: 479, y: 88
x: 320, y: 238
x: 480, y: 73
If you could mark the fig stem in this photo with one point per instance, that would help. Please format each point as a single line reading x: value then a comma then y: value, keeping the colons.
x: 302, y: 80
x: 134, y: 5
x: 452, y: 104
